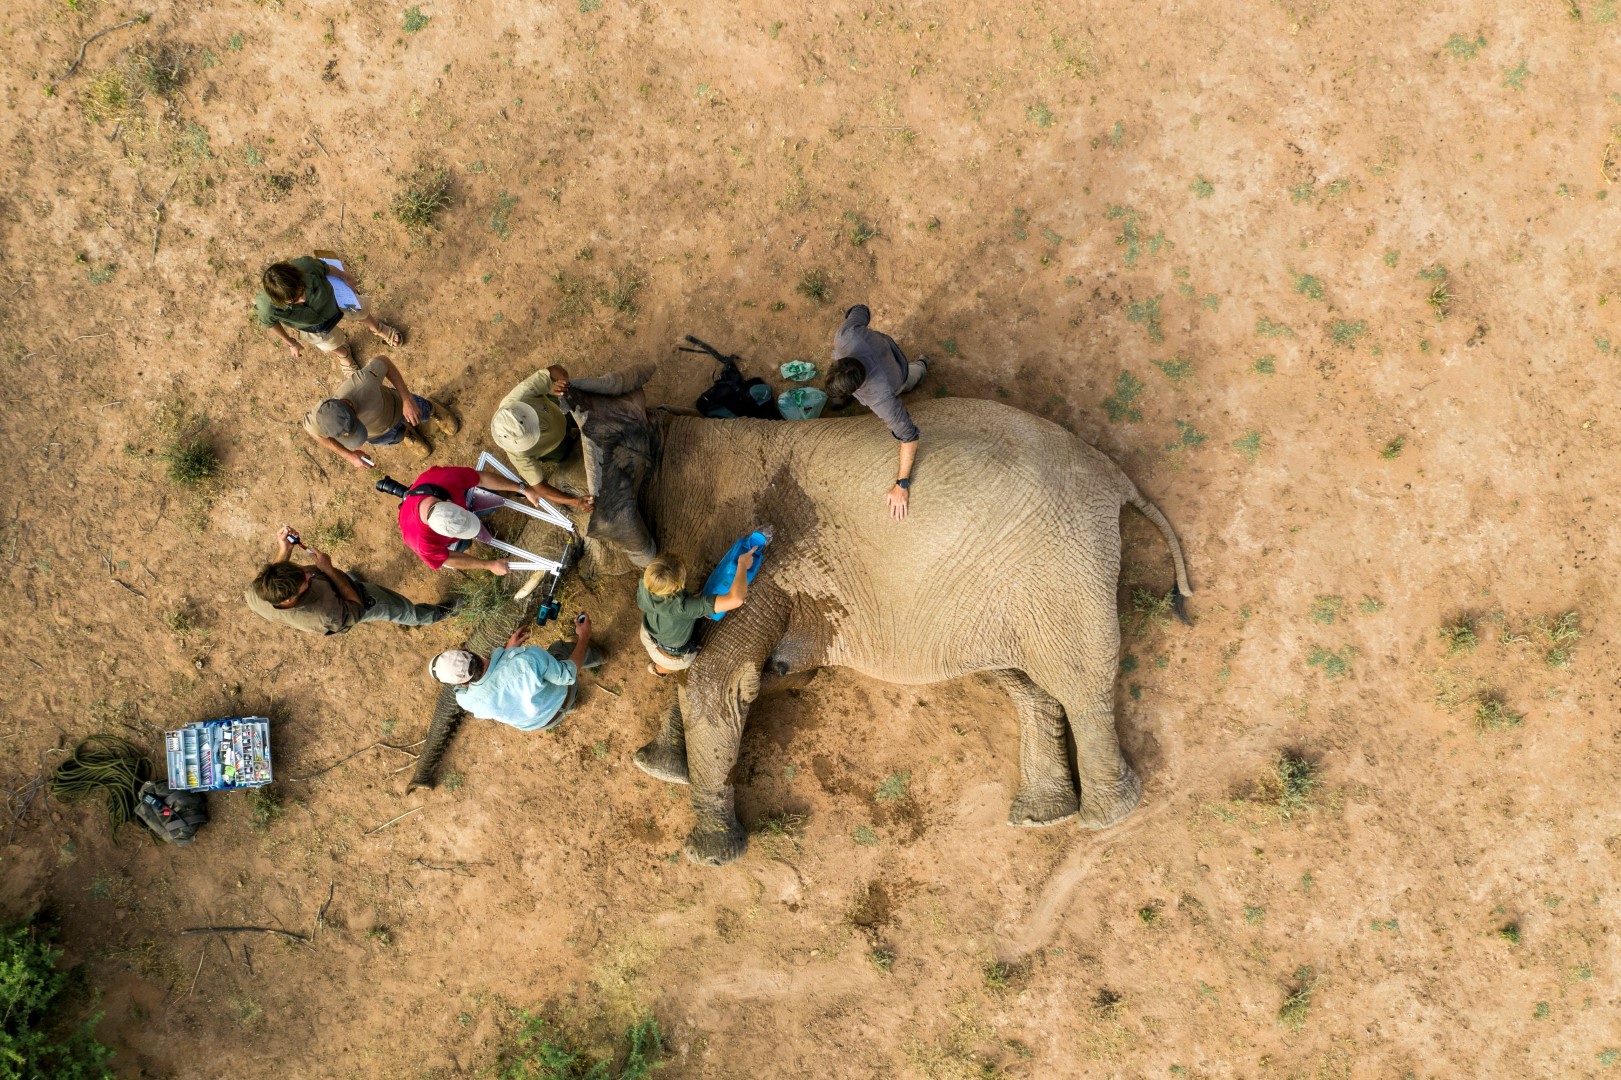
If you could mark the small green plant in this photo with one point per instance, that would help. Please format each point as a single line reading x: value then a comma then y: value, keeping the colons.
x: 423, y: 194
x: 502, y: 214
x: 1108, y: 1004
x: 35, y: 1039
x: 1336, y: 665
x: 621, y: 294
x: 1249, y: 444
x: 1132, y: 237
x: 865, y: 836
x: 1308, y: 286
x: 814, y: 286
x: 881, y: 958
x: 1440, y: 300
x: 334, y: 534
x: 1459, y: 635
x: 1187, y: 437
x: 1150, y: 913
x: 381, y: 935
x: 1039, y: 115
x: 1176, y: 368
x: 1562, y: 633
x: 541, y: 1051
x: 1296, y: 1005
x: 414, y: 20
x: 1391, y: 256
x: 1202, y: 188
x: 181, y: 621
x: 1608, y: 1057
x: 1393, y: 448
x: 778, y: 833
x: 1254, y: 916
x: 1325, y: 609
x: 1265, y: 365
x: 1347, y: 333
x: 234, y: 42
x: 1288, y: 785
x: 454, y: 781
x: 1370, y: 606
x: 264, y: 807
x: 1268, y: 328
x: 861, y: 230
x: 1147, y: 314
x: 1514, y: 77
x: 102, y: 274
x: 1493, y: 714
x: 189, y: 461
x: 1541, y: 1012
x: 1001, y: 974
x: 1119, y: 405
x: 893, y: 788
x: 1464, y: 48
x: 1150, y: 609
x: 1510, y: 933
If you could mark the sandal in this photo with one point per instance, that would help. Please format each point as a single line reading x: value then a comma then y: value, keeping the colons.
x: 390, y: 335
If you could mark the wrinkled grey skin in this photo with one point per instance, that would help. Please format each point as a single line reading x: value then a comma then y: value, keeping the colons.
x: 1007, y: 563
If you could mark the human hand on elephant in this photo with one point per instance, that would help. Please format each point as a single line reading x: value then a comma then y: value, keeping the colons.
x: 897, y: 502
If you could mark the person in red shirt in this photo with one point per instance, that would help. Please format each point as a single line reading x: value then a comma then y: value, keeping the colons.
x: 439, y: 518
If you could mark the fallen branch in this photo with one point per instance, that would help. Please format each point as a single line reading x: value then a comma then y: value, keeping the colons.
x: 460, y: 869
x: 300, y: 938
x: 142, y: 18
x: 320, y: 916
x: 201, y: 956
x: 390, y: 821
x: 389, y: 746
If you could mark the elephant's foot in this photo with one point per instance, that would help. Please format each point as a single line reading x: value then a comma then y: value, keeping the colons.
x: 1043, y: 804
x: 663, y: 761
x: 716, y: 847
x: 1103, y: 805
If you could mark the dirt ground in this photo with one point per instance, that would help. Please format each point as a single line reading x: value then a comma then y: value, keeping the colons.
x: 1334, y: 283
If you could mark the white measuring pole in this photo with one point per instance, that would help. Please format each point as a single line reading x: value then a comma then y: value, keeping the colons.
x: 544, y: 512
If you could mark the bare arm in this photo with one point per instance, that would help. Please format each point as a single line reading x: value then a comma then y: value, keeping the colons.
x: 340, y: 582
x: 733, y: 598
x: 490, y: 480
x: 460, y: 560
x: 353, y: 457
x: 898, y: 494
x: 582, y: 640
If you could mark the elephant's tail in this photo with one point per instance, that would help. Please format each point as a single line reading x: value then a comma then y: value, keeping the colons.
x: 1152, y: 513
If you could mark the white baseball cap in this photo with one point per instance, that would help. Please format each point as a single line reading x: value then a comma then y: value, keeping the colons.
x: 516, y: 428
x: 453, y: 666
x: 456, y: 522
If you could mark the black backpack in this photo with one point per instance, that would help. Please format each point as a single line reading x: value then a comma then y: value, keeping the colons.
x: 729, y: 395
x: 174, y: 815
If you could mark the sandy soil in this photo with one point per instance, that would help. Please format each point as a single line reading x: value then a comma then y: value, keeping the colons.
x: 1243, y: 208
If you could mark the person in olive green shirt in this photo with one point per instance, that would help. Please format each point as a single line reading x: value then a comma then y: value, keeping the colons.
x: 296, y: 296
x: 532, y: 427
x: 320, y: 599
x: 670, y: 613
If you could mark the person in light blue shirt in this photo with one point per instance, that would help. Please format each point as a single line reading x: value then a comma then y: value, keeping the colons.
x: 521, y: 685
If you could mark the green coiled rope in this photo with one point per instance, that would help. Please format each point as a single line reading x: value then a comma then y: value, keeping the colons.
x: 104, y: 763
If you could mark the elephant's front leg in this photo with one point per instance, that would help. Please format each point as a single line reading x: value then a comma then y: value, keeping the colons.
x: 1046, y: 788
x: 721, y: 684
x: 666, y: 756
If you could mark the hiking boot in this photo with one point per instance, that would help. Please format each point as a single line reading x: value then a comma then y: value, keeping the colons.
x: 418, y: 442
x: 443, y: 420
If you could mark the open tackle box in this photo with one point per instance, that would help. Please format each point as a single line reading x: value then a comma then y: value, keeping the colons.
x: 218, y: 755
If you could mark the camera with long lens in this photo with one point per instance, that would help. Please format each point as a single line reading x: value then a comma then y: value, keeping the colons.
x: 390, y: 486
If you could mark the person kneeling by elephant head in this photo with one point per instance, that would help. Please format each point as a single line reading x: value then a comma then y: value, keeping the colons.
x: 521, y: 685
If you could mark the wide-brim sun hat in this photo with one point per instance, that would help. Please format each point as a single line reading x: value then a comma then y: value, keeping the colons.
x: 516, y: 427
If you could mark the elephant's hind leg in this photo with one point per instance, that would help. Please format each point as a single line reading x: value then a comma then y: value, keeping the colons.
x: 721, y: 685
x: 665, y: 758
x: 1046, y: 788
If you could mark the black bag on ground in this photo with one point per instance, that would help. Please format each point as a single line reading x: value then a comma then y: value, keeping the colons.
x: 174, y: 815
x: 729, y: 395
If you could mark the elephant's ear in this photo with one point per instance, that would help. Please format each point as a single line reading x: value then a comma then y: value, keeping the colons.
x: 618, y: 450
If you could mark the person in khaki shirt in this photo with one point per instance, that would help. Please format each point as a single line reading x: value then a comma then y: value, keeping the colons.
x: 374, y: 406
x: 532, y: 427
x: 319, y: 599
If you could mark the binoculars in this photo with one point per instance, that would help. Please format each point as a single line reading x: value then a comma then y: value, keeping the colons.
x: 390, y: 486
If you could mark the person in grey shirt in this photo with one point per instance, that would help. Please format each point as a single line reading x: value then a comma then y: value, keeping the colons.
x: 870, y: 367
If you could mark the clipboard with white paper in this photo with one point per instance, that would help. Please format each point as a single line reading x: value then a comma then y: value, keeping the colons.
x: 341, y: 292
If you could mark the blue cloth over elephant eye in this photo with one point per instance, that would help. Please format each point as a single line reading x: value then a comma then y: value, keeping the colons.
x: 720, y: 580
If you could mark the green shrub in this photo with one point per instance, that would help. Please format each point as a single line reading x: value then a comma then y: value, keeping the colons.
x: 189, y: 461
x: 425, y: 193
x: 32, y: 1039
x: 541, y: 1052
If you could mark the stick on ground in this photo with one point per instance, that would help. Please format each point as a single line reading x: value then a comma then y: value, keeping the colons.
x: 391, y: 821
x: 100, y: 33
x: 245, y: 930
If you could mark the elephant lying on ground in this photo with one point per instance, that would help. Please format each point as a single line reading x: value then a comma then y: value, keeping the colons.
x: 1007, y: 563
